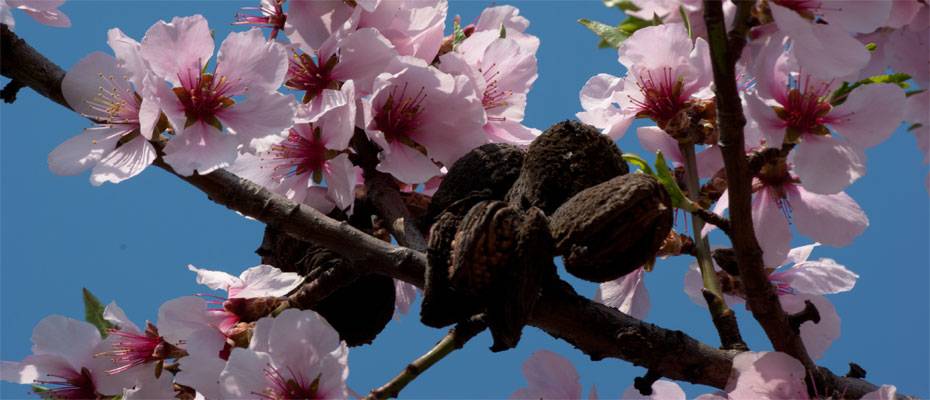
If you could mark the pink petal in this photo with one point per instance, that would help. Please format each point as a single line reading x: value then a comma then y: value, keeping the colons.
x: 244, y: 374
x: 771, y: 127
x: 656, y: 47
x: 179, y: 47
x: 885, y: 392
x: 116, y: 316
x: 856, y: 16
x: 766, y: 375
x: 661, y: 390
x: 827, y: 165
x: 82, y: 84
x: 69, y: 338
x: 870, y: 114
x: 149, y: 111
x: 709, y: 161
x: 200, y: 148
x: 611, y: 121
x: 260, y: 116
x: 550, y: 376
x: 833, y: 219
x: 407, y: 164
x: 816, y: 337
x: 216, y: 280
x: 820, y: 277
x: 46, y: 12
x: 150, y: 387
x: 825, y: 51
x: 492, y: 18
x: 124, y: 162
x: 719, y: 208
x: 337, y: 124
x: 404, y: 296
x: 362, y: 56
x: 83, y: 151
x: 511, y: 132
x: 24, y: 373
x: 802, y: 253
x: 340, y: 181
x: 771, y: 227
x: 250, y: 63
x: 266, y: 281
x: 902, y: 13
x: 179, y: 318
x: 311, y: 22
x: 598, y: 91
x: 129, y: 55
x: 627, y: 294
x: 654, y: 139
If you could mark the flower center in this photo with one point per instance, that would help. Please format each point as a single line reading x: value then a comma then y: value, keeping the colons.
x: 311, y: 74
x: 77, y: 386
x: 269, y: 16
x: 493, y: 96
x: 134, y: 349
x: 292, y: 386
x: 400, y: 116
x: 805, y: 110
x: 662, y: 96
x: 298, y: 155
x: 120, y: 104
x: 203, y: 97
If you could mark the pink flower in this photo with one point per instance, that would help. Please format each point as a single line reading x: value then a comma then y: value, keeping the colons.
x: 131, y: 347
x: 805, y: 280
x: 408, y: 117
x: 258, y: 281
x: 270, y: 15
x: 201, y: 104
x: 550, y: 376
x: 404, y: 296
x: 627, y: 294
x: 113, y: 92
x: 661, y: 390
x: 665, y: 71
x: 189, y: 323
x: 502, y: 70
x: 885, y: 392
x: 43, y: 11
x: 295, y: 355
x: 312, y: 152
x: 827, y: 50
x: 63, y: 361
x: 768, y: 375
x: 796, y: 108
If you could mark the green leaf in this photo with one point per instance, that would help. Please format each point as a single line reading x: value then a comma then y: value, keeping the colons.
x: 686, y: 20
x: 503, y: 34
x: 638, y: 161
x: 93, y: 312
x: 612, y: 36
x: 667, y: 178
x: 625, y: 5
x: 458, y: 34
x: 871, y: 46
x: 839, y: 95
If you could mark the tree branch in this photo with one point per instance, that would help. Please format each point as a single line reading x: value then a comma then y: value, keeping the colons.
x: 761, y: 297
x: 593, y: 328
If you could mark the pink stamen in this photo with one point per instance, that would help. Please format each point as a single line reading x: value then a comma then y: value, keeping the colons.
x: 293, y: 386
x: 77, y: 386
x: 400, y: 114
x: 662, y: 98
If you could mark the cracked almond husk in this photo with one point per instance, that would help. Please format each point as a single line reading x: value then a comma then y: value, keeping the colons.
x: 611, y: 229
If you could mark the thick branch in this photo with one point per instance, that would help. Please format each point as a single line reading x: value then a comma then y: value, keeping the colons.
x: 593, y: 328
x: 761, y: 298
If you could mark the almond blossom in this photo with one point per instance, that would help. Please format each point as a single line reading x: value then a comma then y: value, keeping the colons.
x: 502, y: 69
x: 406, y: 116
x: 666, y: 72
x: 201, y: 104
x: 806, y: 280
x: 112, y: 92
x: 63, y: 362
x: 794, y: 107
x: 296, y: 355
x: 764, y: 375
x: 43, y: 11
x: 653, y: 139
x: 312, y: 152
x: 627, y: 294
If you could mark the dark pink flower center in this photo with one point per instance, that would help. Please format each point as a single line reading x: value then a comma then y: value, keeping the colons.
x: 298, y: 154
x: 663, y: 97
x: 203, y: 97
x: 134, y: 349
x: 493, y: 96
x: 400, y: 115
x: 269, y: 16
x: 311, y: 74
x: 74, y: 386
x: 290, y: 386
x: 804, y: 109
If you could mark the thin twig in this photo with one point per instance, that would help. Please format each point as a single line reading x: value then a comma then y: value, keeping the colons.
x: 454, y: 340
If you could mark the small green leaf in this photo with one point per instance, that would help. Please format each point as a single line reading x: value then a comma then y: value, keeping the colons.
x: 503, y: 34
x: 665, y: 176
x: 871, y: 46
x: 612, y: 36
x: 839, y: 96
x: 686, y: 20
x: 93, y: 313
x: 39, y: 389
x: 638, y: 161
x: 458, y: 34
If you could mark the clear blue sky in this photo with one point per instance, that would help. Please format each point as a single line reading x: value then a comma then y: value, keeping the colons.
x: 131, y: 242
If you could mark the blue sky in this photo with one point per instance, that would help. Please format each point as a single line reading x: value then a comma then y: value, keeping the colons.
x: 131, y: 242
